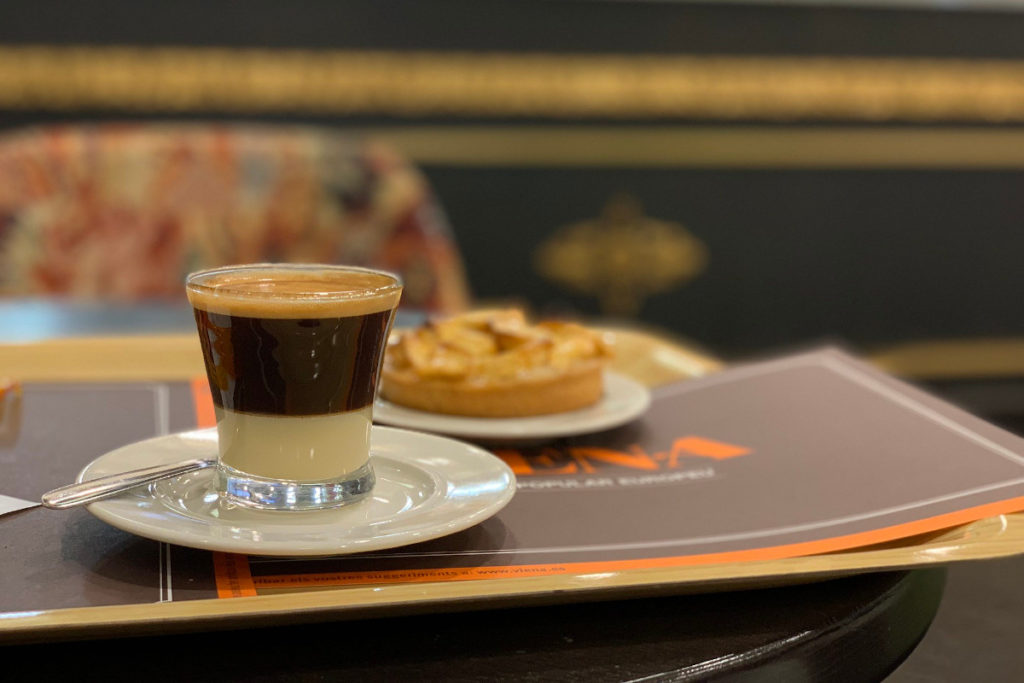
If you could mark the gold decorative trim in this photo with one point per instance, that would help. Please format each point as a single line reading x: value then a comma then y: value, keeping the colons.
x: 578, y: 86
x: 954, y: 359
x: 708, y: 146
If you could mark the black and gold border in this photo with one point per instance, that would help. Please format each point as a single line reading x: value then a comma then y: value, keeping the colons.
x: 581, y: 86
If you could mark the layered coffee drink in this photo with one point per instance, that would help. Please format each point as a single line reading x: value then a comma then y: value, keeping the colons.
x: 293, y: 356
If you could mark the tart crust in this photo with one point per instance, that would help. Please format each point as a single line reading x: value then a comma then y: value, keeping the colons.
x: 572, y: 389
x: 495, y: 364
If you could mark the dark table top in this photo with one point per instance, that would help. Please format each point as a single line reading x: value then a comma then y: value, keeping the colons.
x: 851, y: 629
x: 976, y: 635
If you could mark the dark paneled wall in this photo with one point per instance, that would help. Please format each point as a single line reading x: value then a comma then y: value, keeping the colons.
x: 868, y: 245
x: 555, y: 26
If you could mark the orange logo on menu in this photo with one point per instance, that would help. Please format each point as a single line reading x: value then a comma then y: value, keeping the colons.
x: 589, y: 459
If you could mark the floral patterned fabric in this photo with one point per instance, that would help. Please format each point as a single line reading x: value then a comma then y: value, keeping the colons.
x: 124, y: 212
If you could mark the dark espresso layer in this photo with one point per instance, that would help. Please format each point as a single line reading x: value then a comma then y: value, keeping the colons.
x: 285, y: 366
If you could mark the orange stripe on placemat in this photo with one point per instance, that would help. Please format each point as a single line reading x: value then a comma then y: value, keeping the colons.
x: 818, y: 547
x: 203, y: 402
x: 234, y: 580
x: 231, y: 571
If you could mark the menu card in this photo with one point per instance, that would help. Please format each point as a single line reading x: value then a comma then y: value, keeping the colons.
x: 808, y: 454
x: 804, y: 455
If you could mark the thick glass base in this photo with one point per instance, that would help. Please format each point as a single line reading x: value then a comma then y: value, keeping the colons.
x: 273, y: 494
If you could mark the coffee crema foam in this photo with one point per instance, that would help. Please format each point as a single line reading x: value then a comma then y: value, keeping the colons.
x: 294, y: 293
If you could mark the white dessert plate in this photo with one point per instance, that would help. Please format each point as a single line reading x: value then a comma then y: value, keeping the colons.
x: 427, y: 487
x: 624, y: 400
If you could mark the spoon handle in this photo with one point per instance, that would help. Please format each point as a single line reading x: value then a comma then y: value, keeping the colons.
x: 111, y: 485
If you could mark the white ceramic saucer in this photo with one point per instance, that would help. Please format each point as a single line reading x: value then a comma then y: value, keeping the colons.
x: 624, y: 400
x: 427, y: 486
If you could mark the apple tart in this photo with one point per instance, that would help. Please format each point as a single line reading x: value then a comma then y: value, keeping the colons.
x: 494, y: 363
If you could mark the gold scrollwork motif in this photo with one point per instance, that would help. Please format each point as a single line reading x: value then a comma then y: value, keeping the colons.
x: 621, y: 257
x: 509, y: 84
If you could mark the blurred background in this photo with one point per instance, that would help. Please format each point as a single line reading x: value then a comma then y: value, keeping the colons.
x: 748, y: 176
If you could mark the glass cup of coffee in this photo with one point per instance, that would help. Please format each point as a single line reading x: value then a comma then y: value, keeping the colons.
x: 293, y: 354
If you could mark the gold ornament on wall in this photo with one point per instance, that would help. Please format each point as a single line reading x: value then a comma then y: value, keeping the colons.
x: 508, y: 84
x: 621, y: 257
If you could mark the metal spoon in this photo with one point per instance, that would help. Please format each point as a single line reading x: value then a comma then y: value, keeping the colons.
x: 113, y: 484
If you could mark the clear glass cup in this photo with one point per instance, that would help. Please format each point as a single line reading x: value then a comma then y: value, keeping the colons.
x: 293, y: 355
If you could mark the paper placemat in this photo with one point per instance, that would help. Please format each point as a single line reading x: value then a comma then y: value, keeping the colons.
x: 805, y: 455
